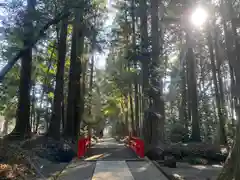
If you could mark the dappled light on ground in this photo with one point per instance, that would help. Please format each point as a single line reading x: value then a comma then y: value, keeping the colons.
x: 143, y: 168
x: 194, y: 172
x: 77, y: 169
x: 114, y: 170
x: 110, y: 149
x: 95, y: 157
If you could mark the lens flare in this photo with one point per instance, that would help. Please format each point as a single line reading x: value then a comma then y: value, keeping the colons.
x: 199, y: 17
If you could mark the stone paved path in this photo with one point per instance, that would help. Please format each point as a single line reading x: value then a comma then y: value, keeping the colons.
x: 114, y: 170
x: 109, y: 160
x: 110, y: 149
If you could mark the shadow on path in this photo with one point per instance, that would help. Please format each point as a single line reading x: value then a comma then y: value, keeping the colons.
x: 110, y: 149
x: 78, y: 170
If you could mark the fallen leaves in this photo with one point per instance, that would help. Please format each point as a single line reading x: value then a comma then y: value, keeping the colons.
x: 13, y: 164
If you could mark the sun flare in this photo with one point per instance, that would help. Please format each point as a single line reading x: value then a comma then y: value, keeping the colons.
x: 199, y: 17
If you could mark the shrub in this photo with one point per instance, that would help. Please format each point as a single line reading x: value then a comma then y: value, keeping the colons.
x: 178, y: 134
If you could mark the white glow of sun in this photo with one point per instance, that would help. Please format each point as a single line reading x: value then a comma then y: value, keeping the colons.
x: 199, y: 17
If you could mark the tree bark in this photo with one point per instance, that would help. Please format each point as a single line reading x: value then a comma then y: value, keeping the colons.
x: 131, y: 111
x: 189, y: 107
x: 91, y: 85
x: 136, y: 89
x: 55, y: 124
x: 74, y: 89
x: 5, y: 127
x: 219, y: 59
x: 79, y: 106
x: 192, y: 88
x: 144, y: 51
x: 183, y: 116
x: 32, y: 117
x: 37, y: 121
x: 222, y: 135
x: 232, y: 74
x: 126, y: 114
x: 156, y: 79
x: 22, y: 128
x: 63, y: 114
x: 231, y: 169
x: 69, y: 127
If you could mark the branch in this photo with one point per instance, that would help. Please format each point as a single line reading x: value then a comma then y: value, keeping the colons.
x: 11, y: 63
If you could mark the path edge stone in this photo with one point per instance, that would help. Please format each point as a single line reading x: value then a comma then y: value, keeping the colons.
x: 56, y: 176
x: 154, y: 163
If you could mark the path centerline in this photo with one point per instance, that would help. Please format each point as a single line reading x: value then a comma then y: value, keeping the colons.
x: 114, y: 170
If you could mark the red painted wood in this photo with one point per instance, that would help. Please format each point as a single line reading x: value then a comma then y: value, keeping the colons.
x: 83, y: 145
x: 137, y: 145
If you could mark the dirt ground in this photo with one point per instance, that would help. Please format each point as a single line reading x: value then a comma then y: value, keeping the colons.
x: 185, y: 171
x: 38, y: 157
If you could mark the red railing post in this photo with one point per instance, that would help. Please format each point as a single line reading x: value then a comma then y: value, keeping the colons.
x: 137, y: 145
x: 80, y: 148
x: 141, y: 148
x: 83, y: 145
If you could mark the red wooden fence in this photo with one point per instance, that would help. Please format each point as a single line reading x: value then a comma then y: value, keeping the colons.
x: 83, y: 145
x: 137, y: 145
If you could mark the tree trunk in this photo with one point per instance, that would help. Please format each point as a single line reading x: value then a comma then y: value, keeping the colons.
x: 229, y: 51
x: 232, y: 74
x: 192, y: 88
x: 219, y: 59
x: 183, y: 116
x: 32, y: 118
x: 222, y: 135
x: 55, y: 124
x: 126, y: 114
x: 74, y: 94
x: 189, y: 107
x: 136, y: 90
x: 131, y: 103
x: 144, y: 52
x: 22, y: 128
x: 91, y: 85
x: 136, y: 105
x: 37, y: 121
x: 69, y: 127
x: 131, y: 111
x: 83, y: 81
x: 156, y: 79
x: 5, y: 127
x: 80, y: 85
x: 231, y: 169
x: 63, y: 114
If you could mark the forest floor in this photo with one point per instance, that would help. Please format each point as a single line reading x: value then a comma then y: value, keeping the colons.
x: 186, y: 171
x: 194, y: 161
x: 38, y: 157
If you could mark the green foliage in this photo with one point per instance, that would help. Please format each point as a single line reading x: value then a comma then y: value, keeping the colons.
x: 178, y: 133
